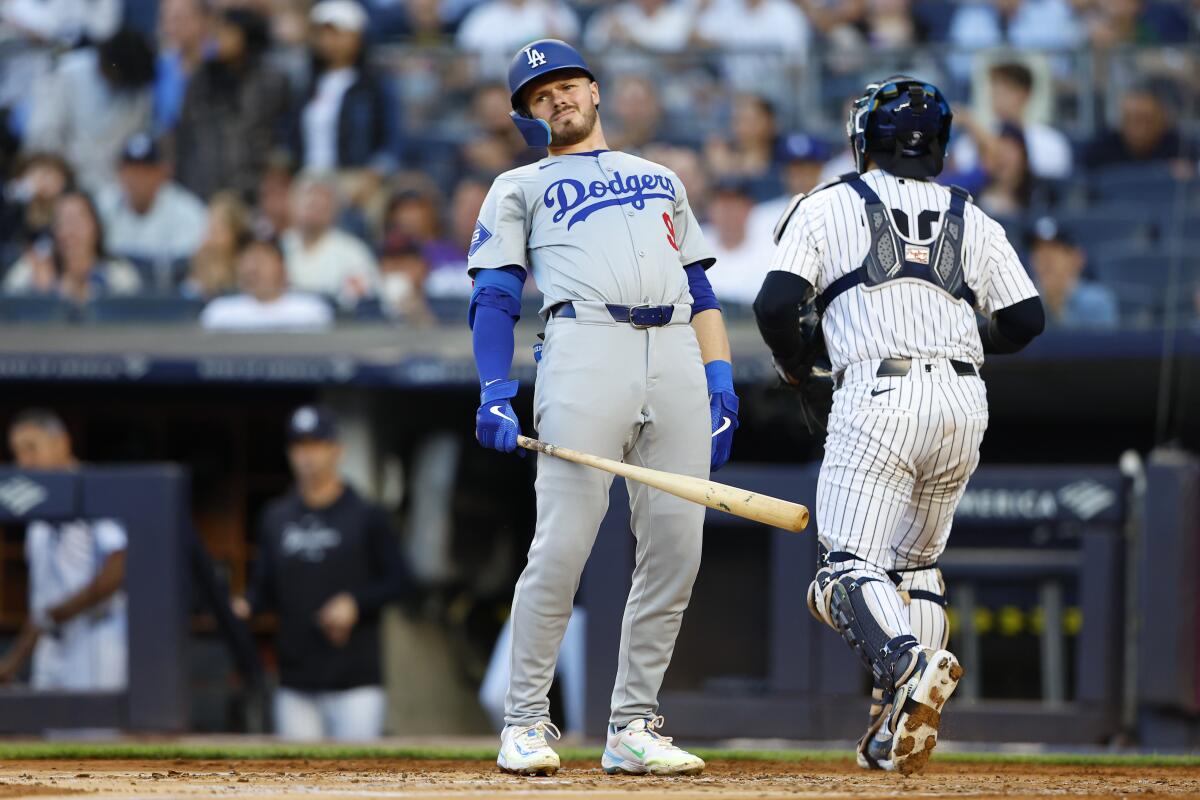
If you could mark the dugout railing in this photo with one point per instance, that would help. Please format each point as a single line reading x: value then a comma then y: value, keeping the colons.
x: 151, y: 502
x: 1047, y: 543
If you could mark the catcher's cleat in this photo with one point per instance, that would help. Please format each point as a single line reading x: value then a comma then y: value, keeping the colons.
x: 525, y: 751
x: 908, y: 734
x: 880, y: 709
x: 639, y: 749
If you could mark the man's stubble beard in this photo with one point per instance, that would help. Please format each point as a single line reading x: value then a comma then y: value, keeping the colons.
x: 574, y: 135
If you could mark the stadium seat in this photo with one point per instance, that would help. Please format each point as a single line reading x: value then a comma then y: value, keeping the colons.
x: 1109, y: 225
x: 1139, y: 185
x: 1141, y: 283
x: 369, y: 309
x: 449, y: 310
x: 159, y: 274
x: 138, y: 309
x: 35, y: 308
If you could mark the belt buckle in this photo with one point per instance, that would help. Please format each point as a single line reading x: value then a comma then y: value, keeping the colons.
x: 647, y: 306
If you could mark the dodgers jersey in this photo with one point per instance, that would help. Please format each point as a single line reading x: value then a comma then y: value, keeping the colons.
x: 603, y: 225
x: 827, y: 236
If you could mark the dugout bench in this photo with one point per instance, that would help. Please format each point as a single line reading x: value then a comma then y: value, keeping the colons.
x: 151, y: 501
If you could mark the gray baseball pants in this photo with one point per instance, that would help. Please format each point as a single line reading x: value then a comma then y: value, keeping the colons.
x: 610, y: 389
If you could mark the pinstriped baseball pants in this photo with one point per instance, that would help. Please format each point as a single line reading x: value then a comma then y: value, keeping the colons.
x: 897, y: 459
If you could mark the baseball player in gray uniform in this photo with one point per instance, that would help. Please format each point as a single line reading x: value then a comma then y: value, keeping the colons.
x: 635, y: 366
x: 907, y: 285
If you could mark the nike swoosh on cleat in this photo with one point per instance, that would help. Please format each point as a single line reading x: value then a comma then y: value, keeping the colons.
x: 639, y: 753
x: 724, y: 426
x: 496, y: 410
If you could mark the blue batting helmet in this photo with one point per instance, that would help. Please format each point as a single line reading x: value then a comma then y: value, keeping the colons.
x: 538, y: 59
x: 903, y: 124
x: 533, y: 61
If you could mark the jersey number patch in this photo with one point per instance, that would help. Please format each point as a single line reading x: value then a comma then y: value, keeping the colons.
x: 670, y: 231
x: 925, y: 222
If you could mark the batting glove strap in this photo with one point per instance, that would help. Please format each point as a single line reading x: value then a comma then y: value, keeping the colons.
x: 719, y: 375
x: 504, y: 390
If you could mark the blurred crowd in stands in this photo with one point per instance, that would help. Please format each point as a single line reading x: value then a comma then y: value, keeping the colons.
x: 267, y: 164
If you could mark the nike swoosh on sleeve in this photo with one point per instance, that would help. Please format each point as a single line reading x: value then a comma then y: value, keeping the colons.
x: 724, y: 426
x: 496, y: 410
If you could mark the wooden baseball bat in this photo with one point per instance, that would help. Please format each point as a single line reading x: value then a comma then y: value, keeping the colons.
x: 730, y: 499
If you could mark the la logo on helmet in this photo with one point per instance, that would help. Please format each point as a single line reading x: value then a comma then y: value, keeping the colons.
x: 535, y: 56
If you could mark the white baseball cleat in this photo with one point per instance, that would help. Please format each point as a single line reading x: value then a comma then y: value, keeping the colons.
x: 525, y: 751
x: 638, y: 749
x: 908, y: 737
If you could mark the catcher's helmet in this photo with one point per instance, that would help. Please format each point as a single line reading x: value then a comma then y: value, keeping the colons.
x: 538, y: 59
x: 903, y: 124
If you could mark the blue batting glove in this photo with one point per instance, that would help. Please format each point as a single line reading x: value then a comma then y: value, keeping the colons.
x: 723, y: 405
x: 496, y: 425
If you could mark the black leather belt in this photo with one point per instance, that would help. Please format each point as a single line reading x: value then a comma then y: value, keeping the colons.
x: 899, y: 367
x: 644, y: 316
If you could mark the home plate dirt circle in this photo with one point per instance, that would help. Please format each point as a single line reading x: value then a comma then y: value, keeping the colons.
x: 407, y: 778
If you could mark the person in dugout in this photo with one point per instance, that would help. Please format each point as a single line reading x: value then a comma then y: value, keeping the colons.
x: 328, y: 561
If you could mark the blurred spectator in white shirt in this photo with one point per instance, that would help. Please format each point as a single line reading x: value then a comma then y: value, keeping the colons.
x: 495, y: 29
x: 264, y: 302
x: 1024, y: 24
x: 742, y: 258
x: 73, y: 263
x: 145, y: 214
x: 320, y: 257
x: 213, y: 270
x: 91, y: 103
x: 662, y: 26
x: 65, y: 22
x: 1010, y: 88
x: 765, y: 35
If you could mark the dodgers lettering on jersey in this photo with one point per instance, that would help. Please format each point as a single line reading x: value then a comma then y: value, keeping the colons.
x: 604, y: 226
x: 828, y: 236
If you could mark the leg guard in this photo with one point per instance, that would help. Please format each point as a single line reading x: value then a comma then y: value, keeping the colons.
x: 889, y: 658
x: 924, y: 593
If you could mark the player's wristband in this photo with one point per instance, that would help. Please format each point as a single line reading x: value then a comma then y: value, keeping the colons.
x: 502, y: 390
x: 720, y: 376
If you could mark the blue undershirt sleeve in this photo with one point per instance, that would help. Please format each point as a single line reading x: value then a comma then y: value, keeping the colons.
x: 495, y: 309
x: 703, y: 297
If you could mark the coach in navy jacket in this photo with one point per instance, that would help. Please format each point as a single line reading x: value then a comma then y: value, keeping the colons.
x: 328, y: 561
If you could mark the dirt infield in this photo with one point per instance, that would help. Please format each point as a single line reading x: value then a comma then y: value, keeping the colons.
x: 381, y: 778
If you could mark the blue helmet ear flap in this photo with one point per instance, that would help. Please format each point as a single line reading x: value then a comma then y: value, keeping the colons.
x: 536, y: 131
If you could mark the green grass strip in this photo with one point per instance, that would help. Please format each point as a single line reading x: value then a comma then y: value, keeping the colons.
x: 12, y: 751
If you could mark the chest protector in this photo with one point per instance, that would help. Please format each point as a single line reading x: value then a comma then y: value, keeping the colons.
x: 888, y: 259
